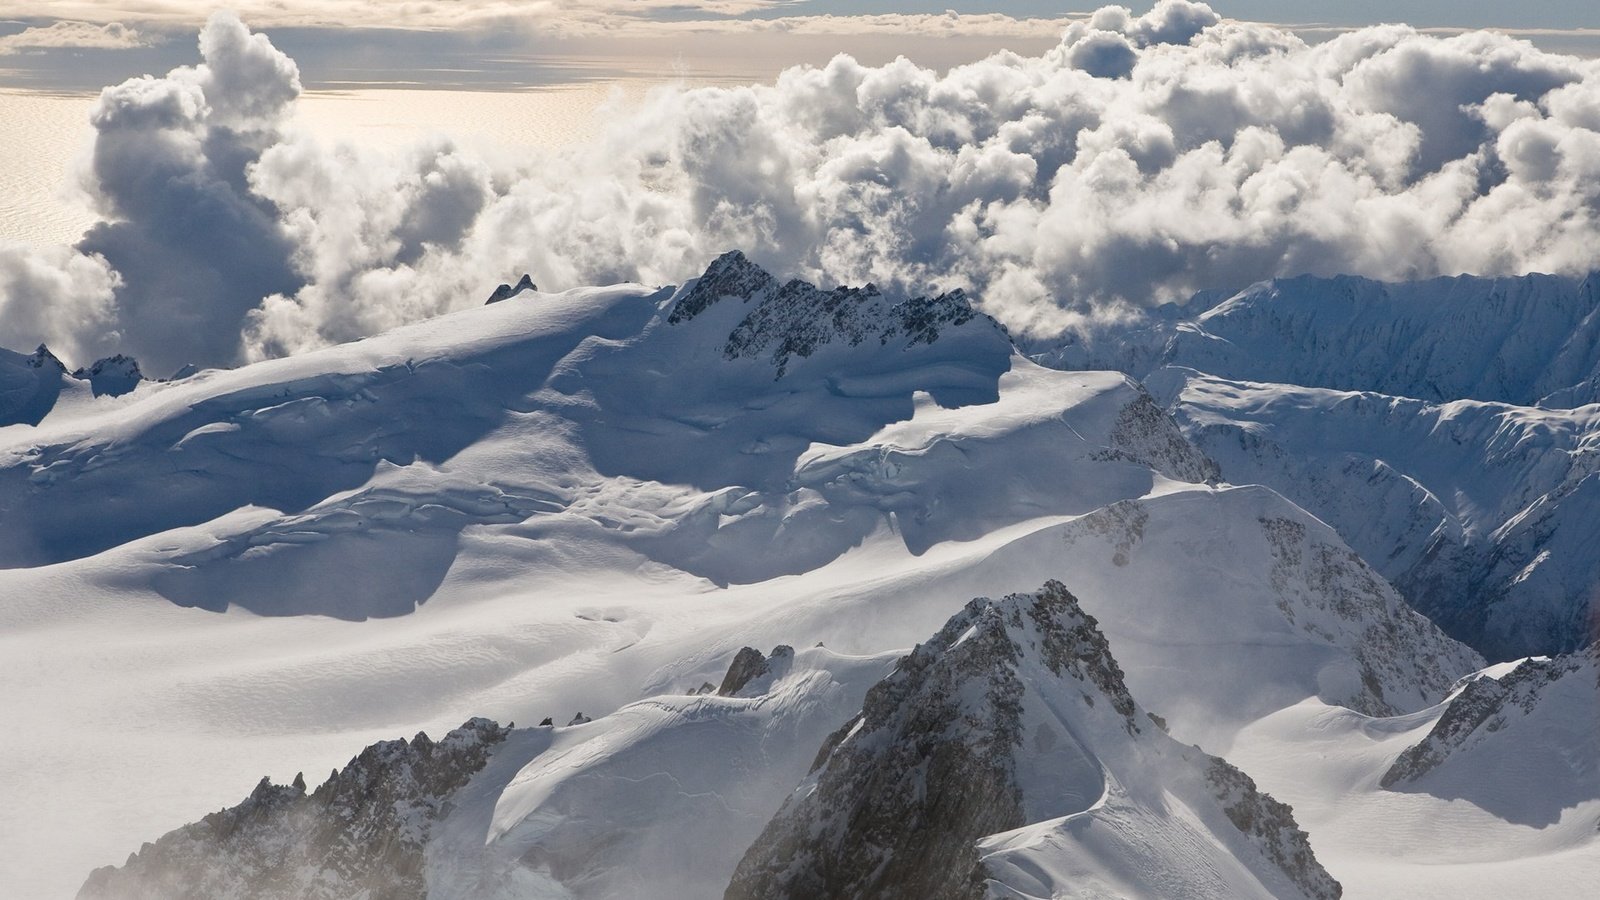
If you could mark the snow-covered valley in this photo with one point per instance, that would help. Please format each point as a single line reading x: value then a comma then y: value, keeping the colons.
x: 580, y: 506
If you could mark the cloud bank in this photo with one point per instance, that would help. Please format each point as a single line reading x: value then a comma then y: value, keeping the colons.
x: 74, y: 35
x: 1139, y: 160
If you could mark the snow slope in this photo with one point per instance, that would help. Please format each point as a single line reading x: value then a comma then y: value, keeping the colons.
x: 1481, y: 513
x: 1446, y: 428
x: 588, y: 502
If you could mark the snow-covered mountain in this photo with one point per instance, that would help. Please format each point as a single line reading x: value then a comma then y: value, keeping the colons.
x: 581, y: 506
x: 1481, y: 513
x: 1440, y: 426
x: 1005, y: 758
x: 1521, y: 739
x: 1003, y: 755
x: 1531, y: 340
x: 361, y: 833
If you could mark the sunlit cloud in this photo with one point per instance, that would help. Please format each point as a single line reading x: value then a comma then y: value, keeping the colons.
x: 1136, y: 160
x: 75, y: 35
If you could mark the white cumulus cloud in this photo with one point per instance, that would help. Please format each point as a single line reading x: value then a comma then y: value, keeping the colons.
x: 1139, y: 160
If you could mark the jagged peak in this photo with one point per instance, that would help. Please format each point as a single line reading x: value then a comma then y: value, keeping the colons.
x: 730, y: 275
x: 1484, y: 705
x: 796, y: 319
x: 364, y: 828
x: 43, y: 358
x: 506, y: 291
x: 1014, y: 714
x: 1048, y: 624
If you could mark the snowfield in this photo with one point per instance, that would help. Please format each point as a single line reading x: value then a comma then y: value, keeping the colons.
x: 589, y: 502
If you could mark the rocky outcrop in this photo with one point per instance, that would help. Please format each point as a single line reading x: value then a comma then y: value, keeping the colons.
x: 729, y: 275
x: 1487, y: 706
x: 359, y: 835
x: 1146, y: 435
x: 797, y: 319
x: 42, y: 358
x: 1014, y: 715
x: 750, y: 668
x: 506, y: 291
x: 1271, y: 824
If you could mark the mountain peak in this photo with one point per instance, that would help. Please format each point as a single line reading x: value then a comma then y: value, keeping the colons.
x: 730, y: 275
x: 1002, y: 751
x: 361, y: 832
x: 42, y: 358
x: 506, y: 291
x: 112, y: 376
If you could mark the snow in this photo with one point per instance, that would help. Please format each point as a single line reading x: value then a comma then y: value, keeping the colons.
x: 568, y: 502
x: 1479, y: 511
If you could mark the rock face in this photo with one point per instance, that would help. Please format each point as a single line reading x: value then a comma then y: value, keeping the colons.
x: 506, y: 291
x: 361, y: 834
x: 749, y: 666
x: 993, y: 757
x: 797, y: 319
x: 1508, y: 709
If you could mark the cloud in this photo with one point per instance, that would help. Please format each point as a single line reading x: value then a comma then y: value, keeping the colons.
x: 58, y: 296
x: 387, y: 13
x: 195, y: 247
x: 1139, y: 160
x: 75, y: 35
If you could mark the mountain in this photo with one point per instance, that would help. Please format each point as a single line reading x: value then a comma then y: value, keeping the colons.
x: 1014, y: 721
x: 1440, y: 426
x: 1530, y: 340
x: 361, y: 833
x: 579, y: 507
x: 655, y: 799
x: 1478, y: 512
x: 31, y: 386
x: 1522, y: 739
x: 1005, y: 757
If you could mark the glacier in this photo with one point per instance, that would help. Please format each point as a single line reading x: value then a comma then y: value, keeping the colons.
x: 583, y: 506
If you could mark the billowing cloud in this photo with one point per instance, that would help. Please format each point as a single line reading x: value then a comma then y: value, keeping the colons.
x: 58, y: 296
x: 195, y: 247
x: 1139, y: 160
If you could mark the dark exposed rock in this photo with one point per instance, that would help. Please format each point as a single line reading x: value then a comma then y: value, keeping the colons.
x: 1272, y: 824
x: 579, y: 719
x: 1146, y: 435
x: 360, y: 834
x: 1482, y: 707
x: 748, y: 665
x: 42, y: 358
x: 729, y: 275
x: 797, y: 319
x: 506, y: 291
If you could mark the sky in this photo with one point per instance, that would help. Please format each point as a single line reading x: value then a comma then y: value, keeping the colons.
x: 1067, y: 171
x: 79, y: 45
